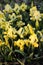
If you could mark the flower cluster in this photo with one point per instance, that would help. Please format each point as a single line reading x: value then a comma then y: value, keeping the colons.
x: 35, y: 15
x: 14, y: 26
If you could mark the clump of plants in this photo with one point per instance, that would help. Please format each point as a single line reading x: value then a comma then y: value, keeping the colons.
x: 21, y: 33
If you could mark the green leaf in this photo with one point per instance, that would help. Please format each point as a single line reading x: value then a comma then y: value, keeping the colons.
x: 31, y: 55
x: 20, y: 52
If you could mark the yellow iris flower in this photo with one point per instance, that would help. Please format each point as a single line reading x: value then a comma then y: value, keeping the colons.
x: 35, y: 44
x: 16, y: 8
x: 8, y: 9
x: 20, y: 43
x: 33, y: 38
x: 23, y: 7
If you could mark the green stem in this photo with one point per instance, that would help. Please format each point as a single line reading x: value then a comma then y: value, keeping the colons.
x: 37, y: 24
x: 20, y: 62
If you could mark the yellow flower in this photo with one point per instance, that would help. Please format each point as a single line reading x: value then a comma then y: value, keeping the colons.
x: 4, y: 25
x: 33, y: 38
x: 12, y: 16
x: 23, y: 7
x: 35, y: 44
x: 19, y: 17
x: 31, y: 30
x: 26, y: 30
x: 8, y: 9
x: 32, y: 18
x: 27, y: 42
x: 10, y: 33
x: 32, y: 10
x: 35, y: 14
x: 20, y: 23
x: 16, y: 8
x: 6, y: 41
x: 21, y: 47
x: 20, y: 32
x: 20, y: 43
x: 2, y: 16
x: 23, y: 31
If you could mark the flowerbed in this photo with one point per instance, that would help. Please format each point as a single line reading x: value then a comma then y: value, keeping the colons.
x: 21, y: 34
